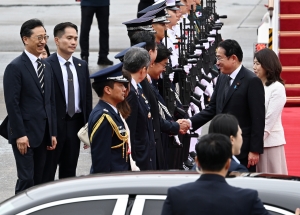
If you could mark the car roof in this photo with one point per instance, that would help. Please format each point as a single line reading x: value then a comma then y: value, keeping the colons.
x: 283, y: 191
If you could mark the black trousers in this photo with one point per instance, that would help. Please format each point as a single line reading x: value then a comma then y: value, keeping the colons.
x: 102, y: 15
x: 67, y: 150
x: 30, y: 166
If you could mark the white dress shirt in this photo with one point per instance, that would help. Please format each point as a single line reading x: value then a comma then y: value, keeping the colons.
x: 33, y: 59
x: 62, y: 63
x: 133, y: 82
x: 234, y: 74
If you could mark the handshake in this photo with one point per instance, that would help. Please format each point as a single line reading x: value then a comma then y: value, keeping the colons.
x: 184, y: 125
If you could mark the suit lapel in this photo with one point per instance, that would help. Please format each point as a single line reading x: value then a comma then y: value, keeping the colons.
x: 31, y: 70
x: 47, y: 80
x: 58, y: 73
x: 232, y: 88
x: 81, y: 77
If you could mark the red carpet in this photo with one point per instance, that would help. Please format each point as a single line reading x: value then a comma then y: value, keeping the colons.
x: 291, y: 125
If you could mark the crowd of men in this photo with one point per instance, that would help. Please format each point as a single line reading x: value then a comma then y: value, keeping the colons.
x: 151, y: 105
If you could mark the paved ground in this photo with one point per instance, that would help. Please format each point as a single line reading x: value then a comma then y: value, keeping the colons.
x: 243, y: 18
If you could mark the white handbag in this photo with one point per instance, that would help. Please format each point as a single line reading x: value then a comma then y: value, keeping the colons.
x: 83, y: 135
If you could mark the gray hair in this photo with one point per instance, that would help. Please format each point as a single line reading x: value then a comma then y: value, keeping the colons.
x: 135, y: 59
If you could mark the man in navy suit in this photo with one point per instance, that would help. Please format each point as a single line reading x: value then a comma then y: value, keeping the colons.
x: 73, y: 95
x: 106, y: 128
x: 240, y: 93
x: 211, y: 194
x: 30, y: 103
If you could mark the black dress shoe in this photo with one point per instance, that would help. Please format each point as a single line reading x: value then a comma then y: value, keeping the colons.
x: 85, y: 58
x: 104, y: 61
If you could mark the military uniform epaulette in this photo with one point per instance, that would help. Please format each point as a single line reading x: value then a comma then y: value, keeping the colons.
x: 118, y: 131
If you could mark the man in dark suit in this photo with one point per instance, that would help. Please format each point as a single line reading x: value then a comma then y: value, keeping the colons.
x: 211, y: 194
x: 240, y: 93
x: 30, y: 103
x: 73, y: 95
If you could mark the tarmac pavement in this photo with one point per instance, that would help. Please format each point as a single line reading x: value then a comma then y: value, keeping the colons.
x: 243, y: 19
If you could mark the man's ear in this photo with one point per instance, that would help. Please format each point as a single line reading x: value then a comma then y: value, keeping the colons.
x: 25, y: 40
x: 197, y: 162
x: 107, y: 90
x: 56, y: 40
x: 227, y: 165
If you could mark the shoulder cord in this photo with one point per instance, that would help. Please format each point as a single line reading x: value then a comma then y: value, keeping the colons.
x: 114, y: 126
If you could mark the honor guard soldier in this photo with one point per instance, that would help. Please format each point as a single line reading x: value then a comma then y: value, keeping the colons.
x: 106, y: 129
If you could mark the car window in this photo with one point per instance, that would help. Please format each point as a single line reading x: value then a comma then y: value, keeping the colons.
x: 153, y: 206
x: 99, y: 207
x: 148, y: 204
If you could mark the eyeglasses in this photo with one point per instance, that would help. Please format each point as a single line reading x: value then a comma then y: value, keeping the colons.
x: 164, y: 65
x: 40, y: 38
x: 221, y: 59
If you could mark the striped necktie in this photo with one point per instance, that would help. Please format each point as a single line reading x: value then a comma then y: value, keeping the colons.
x: 40, y: 73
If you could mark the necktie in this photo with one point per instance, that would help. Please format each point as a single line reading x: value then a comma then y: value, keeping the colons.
x: 227, y: 85
x: 40, y: 73
x: 71, y: 94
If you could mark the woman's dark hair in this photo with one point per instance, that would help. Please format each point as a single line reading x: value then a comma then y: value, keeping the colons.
x: 162, y: 53
x: 226, y: 124
x: 232, y: 47
x: 47, y: 50
x: 213, y: 151
x: 271, y: 64
x: 123, y: 106
x: 28, y: 26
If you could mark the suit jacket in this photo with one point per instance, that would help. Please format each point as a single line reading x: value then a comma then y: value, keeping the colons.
x: 141, y: 132
x: 159, y: 124
x: 84, y: 86
x: 28, y: 108
x: 245, y: 100
x: 275, y: 101
x: 211, y: 195
x: 104, y: 158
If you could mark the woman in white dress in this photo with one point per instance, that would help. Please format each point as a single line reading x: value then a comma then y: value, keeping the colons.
x: 267, y: 67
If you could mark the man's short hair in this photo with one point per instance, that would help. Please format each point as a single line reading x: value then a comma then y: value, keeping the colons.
x: 26, y: 28
x: 135, y: 59
x: 213, y: 151
x: 59, y: 29
x: 232, y: 47
x: 99, y: 86
x: 144, y: 36
x: 162, y: 53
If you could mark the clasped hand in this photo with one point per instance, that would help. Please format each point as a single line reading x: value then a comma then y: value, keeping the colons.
x: 184, y: 125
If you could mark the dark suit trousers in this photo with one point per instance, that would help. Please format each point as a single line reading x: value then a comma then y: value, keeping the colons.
x: 30, y: 166
x: 102, y: 15
x: 67, y: 150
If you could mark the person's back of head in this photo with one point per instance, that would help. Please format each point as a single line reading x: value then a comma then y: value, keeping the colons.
x: 144, y: 36
x: 228, y: 125
x: 214, y: 152
x: 135, y: 59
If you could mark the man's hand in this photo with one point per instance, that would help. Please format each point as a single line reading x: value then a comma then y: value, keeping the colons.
x: 53, y: 142
x: 297, y: 212
x: 184, y: 125
x: 22, y: 144
x: 253, y: 159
